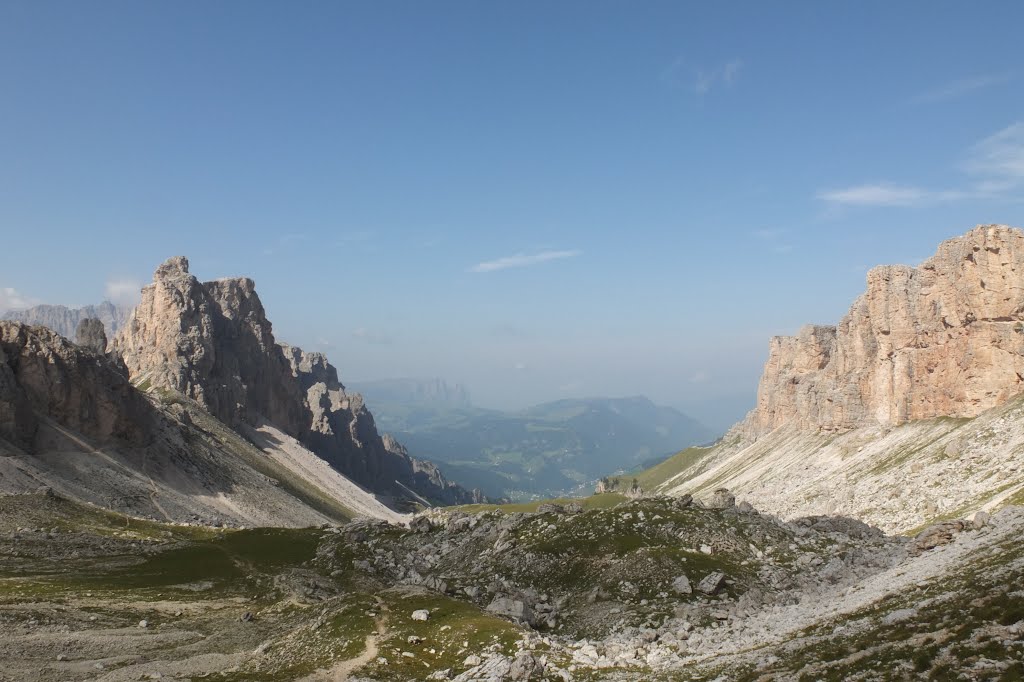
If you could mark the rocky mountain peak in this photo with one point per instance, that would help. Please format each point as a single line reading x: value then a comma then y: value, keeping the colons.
x: 212, y: 342
x: 174, y: 267
x: 945, y: 338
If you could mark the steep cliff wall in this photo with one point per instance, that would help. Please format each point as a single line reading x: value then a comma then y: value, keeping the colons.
x: 213, y: 343
x: 342, y: 431
x: 943, y: 339
x: 42, y: 373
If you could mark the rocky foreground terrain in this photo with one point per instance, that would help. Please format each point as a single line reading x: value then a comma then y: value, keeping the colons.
x: 653, y: 589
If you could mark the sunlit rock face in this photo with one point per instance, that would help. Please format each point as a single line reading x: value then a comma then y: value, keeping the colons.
x: 212, y: 342
x: 945, y: 338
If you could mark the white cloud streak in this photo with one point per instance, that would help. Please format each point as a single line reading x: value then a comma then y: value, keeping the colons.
x: 996, y: 165
x: 874, y: 195
x: 522, y: 260
x: 960, y: 87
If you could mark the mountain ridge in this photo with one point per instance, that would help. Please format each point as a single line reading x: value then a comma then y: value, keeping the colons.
x: 65, y: 320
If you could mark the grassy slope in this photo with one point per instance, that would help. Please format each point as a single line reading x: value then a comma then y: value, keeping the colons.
x: 682, y: 461
x: 190, y: 581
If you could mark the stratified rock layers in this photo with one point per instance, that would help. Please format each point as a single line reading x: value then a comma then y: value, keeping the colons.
x: 943, y: 339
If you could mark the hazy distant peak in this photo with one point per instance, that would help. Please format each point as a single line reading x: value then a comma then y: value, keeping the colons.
x: 411, y: 391
x: 65, y: 320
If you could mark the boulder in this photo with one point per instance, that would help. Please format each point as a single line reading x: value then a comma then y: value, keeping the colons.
x: 525, y: 666
x: 722, y: 499
x: 681, y: 585
x: 937, y: 534
x: 711, y: 582
x: 514, y: 609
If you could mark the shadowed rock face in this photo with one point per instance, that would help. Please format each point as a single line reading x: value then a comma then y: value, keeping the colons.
x: 213, y: 343
x: 41, y: 372
x: 343, y: 432
x: 90, y: 334
x: 943, y: 339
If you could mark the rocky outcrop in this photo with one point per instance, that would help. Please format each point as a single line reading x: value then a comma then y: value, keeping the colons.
x: 212, y: 342
x: 42, y: 373
x: 943, y: 339
x: 65, y: 321
x: 342, y: 431
x: 90, y: 334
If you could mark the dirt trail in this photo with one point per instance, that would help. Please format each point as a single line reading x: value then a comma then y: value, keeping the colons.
x: 342, y: 671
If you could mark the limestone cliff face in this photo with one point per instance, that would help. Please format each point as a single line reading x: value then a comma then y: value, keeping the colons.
x: 213, y: 343
x: 943, y: 339
x: 42, y: 373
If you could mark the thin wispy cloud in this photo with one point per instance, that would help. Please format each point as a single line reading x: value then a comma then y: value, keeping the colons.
x: 883, y: 194
x: 123, y: 291
x: 12, y: 299
x: 523, y: 260
x: 994, y: 166
x: 726, y: 75
x: 1000, y: 156
x: 960, y: 87
x: 701, y: 80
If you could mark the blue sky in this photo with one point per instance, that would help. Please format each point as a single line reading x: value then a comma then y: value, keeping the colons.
x: 537, y: 199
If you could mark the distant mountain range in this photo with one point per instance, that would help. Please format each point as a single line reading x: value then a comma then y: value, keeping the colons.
x: 542, y: 451
x: 64, y: 320
x: 436, y: 393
